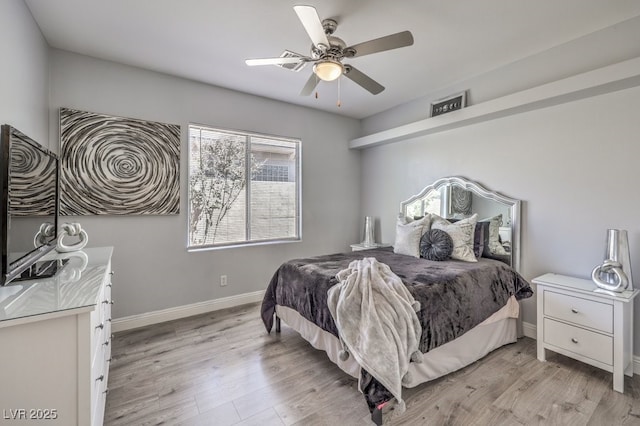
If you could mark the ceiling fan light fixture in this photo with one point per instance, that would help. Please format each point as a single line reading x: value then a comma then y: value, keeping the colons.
x: 328, y: 70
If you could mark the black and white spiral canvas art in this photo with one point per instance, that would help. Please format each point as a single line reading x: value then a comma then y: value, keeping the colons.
x: 32, y: 190
x: 118, y: 166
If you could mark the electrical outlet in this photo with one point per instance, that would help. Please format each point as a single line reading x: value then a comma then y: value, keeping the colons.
x: 223, y: 280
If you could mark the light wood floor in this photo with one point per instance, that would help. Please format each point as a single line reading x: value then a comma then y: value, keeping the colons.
x: 222, y: 368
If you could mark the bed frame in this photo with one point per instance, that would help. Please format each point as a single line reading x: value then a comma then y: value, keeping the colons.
x: 496, y: 331
x: 502, y: 328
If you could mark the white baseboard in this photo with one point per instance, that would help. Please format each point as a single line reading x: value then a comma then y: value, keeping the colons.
x: 530, y: 330
x: 155, y: 317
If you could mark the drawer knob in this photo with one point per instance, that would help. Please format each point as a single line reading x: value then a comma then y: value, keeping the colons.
x: 574, y: 340
x: 101, y: 326
x: 574, y: 310
x: 110, y: 302
x: 110, y: 359
x: 106, y: 343
x: 106, y: 391
x: 109, y: 285
x: 101, y: 378
x: 112, y: 272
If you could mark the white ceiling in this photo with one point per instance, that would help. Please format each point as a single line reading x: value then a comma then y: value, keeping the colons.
x: 208, y: 40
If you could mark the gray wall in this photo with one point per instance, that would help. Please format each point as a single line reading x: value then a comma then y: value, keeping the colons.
x: 575, y: 166
x: 153, y: 269
x: 24, y: 88
x: 605, y: 47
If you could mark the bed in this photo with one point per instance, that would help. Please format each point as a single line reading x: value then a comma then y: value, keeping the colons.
x: 467, y: 308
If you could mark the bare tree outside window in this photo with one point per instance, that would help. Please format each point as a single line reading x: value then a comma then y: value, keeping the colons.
x: 215, y: 186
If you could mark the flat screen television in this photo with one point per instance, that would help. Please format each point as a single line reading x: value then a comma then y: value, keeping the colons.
x: 29, y: 201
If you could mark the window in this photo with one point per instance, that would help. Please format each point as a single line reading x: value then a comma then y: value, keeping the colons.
x: 225, y: 207
x: 272, y: 173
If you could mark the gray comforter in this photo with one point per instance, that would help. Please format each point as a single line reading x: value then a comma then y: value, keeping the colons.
x: 455, y: 296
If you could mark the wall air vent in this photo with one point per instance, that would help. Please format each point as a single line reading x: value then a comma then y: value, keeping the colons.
x: 292, y: 67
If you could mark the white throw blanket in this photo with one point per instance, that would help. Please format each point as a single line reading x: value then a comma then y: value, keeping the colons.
x: 377, y: 322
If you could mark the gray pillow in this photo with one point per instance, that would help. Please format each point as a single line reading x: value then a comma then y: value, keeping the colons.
x: 436, y: 244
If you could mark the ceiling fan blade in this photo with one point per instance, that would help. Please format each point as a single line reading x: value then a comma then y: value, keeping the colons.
x: 312, y: 24
x: 363, y: 80
x: 393, y: 41
x: 311, y: 84
x: 274, y: 61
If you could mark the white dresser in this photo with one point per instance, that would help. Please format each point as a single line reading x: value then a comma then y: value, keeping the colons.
x: 594, y: 328
x: 55, y: 345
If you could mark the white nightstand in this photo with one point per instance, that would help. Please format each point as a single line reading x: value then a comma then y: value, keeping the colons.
x: 594, y: 328
x: 360, y: 246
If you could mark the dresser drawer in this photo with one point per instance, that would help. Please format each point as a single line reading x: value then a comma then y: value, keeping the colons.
x: 99, y: 395
x: 578, y: 340
x: 97, y: 318
x: 100, y: 333
x: 577, y: 310
x: 97, y: 368
x: 98, y: 409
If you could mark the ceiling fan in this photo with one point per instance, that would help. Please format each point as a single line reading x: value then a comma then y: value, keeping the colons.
x: 328, y: 51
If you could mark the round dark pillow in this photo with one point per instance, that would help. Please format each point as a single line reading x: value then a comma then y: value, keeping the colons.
x: 436, y: 244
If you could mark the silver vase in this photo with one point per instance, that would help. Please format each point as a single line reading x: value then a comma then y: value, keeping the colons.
x: 369, y: 239
x: 614, y: 275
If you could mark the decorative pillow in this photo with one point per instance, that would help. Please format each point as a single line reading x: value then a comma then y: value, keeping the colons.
x: 494, y: 235
x: 407, y: 240
x: 424, y: 221
x: 462, y: 234
x: 480, y: 240
x: 436, y: 244
x: 480, y: 237
x: 408, y: 234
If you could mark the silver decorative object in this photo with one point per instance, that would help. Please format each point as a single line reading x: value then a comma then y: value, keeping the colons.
x: 369, y: 238
x: 72, y: 230
x: 44, y: 234
x: 614, y: 275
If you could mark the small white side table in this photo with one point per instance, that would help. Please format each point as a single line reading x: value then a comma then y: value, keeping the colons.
x: 595, y: 328
x: 360, y: 246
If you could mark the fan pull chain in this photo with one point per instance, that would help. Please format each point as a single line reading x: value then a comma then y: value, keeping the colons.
x: 339, y: 103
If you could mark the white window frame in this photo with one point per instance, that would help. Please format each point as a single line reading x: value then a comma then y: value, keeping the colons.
x: 298, y: 182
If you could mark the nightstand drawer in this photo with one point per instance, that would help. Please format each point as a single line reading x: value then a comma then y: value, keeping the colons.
x: 580, y: 341
x: 579, y: 311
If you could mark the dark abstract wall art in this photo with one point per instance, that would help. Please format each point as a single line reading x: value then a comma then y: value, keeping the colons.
x: 33, y: 180
x: 118, y: 166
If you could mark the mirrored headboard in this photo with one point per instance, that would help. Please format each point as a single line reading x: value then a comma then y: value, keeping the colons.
x: 456, y: 197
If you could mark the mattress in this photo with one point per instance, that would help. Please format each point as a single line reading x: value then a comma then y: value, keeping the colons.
x: 496, y: 331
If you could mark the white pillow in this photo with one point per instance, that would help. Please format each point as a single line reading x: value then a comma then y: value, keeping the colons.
x: 408, y: 234
x: 424, y: 221
x: 462, y: 233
